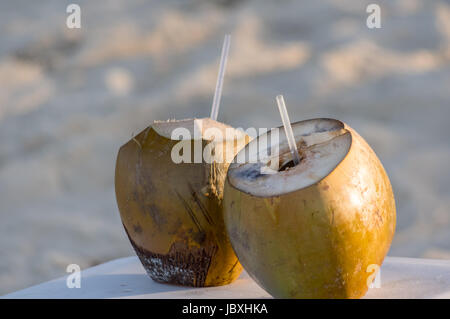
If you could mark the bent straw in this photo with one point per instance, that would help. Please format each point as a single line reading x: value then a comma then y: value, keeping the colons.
x: 288, y: 129
x: 219, y: 83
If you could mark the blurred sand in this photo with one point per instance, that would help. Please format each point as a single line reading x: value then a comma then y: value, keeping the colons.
x: 70, y: 98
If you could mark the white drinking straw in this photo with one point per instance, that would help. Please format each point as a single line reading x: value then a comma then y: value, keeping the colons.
x: 219, y: 83
x: 288, y: 129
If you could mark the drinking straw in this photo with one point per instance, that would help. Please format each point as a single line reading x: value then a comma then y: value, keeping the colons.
x: 288, y: 129
x: 219, y: 83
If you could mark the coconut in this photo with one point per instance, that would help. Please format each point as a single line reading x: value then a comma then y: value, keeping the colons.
x: 318, y: 229
x: 169, y: 191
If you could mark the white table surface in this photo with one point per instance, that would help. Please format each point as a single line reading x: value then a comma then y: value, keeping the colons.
x: 126, y: 278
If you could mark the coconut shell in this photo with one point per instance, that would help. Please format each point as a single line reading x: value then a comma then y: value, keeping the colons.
x: 319, y: 241
x: 172, y: 213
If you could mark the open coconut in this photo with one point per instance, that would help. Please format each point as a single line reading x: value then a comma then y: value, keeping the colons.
x: 317, y: 229
x: 169, y: 190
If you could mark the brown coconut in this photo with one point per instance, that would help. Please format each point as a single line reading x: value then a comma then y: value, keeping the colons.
x: 172, y: 212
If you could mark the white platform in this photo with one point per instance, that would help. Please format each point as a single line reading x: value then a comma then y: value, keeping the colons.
x: 126, y: 278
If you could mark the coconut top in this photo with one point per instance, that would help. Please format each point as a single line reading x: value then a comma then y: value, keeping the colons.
x: 204, y: 128
x: 264, y: 167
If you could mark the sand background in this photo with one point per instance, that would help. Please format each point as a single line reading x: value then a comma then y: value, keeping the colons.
x: 70, y: 98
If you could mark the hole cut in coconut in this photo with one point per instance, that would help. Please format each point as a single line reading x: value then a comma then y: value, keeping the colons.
x: 194, y: 129
x: 287, y: 165
x: 270, y: 171
x: 214, y: 142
